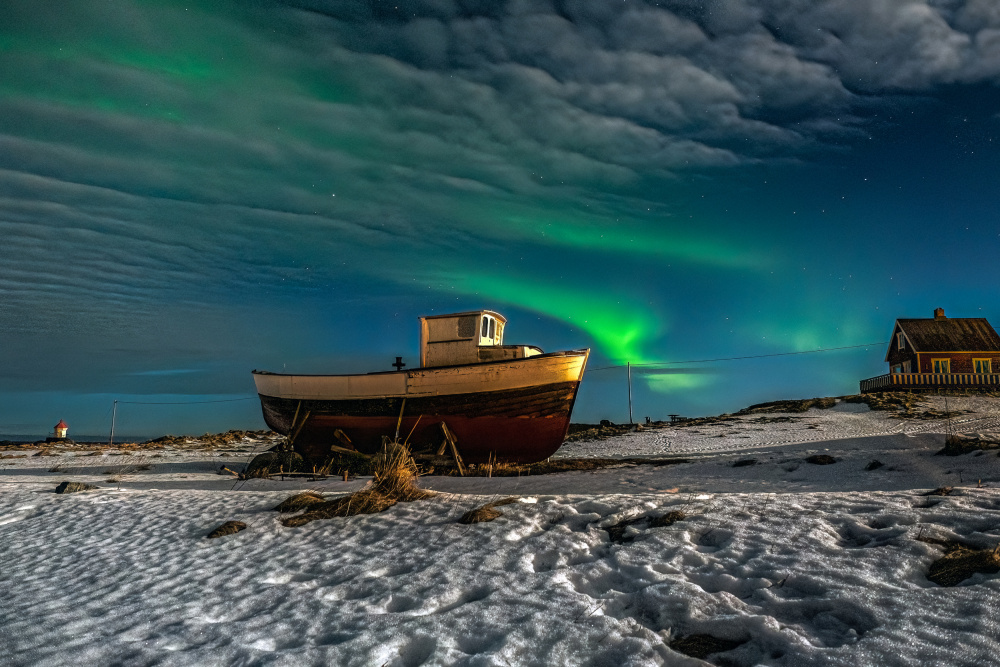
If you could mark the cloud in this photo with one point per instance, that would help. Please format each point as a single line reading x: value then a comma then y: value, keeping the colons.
x: 172, y: 158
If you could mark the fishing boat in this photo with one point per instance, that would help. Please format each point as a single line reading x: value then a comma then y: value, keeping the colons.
x: 501, y: 402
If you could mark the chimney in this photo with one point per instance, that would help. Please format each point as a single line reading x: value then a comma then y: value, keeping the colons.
x: 939, y: 314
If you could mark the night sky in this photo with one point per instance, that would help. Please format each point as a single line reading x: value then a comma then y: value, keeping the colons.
x: 189, y: 190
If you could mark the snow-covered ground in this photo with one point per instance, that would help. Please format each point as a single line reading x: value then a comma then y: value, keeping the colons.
x: 809, y: 564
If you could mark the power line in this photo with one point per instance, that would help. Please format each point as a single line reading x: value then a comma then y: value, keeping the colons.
x: 751, y: 356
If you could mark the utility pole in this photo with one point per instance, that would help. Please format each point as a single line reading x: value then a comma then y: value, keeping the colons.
x: 114, y: 412
x: 629, y: 366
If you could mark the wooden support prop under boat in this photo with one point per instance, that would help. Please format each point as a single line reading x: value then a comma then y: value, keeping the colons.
x: 449, y: 438
x: 412, y: 430
x: 340, y: 435
x: 291, y: 439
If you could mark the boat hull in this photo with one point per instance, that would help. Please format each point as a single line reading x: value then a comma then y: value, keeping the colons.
x: 515, y: 411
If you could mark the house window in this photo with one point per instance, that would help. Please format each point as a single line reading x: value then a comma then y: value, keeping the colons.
x: 942, y: 365
x: 899, y: 341
x: 981, y: 366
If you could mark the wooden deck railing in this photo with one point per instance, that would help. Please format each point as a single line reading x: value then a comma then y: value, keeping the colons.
x: 904, y: 381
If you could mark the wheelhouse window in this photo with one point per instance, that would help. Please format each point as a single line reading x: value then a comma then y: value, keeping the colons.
x: 493, y: 328
x: 941, y: 365
x: 981, y: 366
x: 486, y: 327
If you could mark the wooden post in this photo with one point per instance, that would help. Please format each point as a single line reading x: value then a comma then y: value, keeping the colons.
x: 291, y: 427
x: 304, y: 420
x: 629, y: 366
x: 450, y: 439
x: 114, y: 413
x: 340, y: 435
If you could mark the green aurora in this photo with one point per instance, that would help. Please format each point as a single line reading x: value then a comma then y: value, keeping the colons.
x: 268, y: 162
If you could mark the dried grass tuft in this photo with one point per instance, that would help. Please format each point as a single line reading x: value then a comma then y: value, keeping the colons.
x: 961, y: 562
x: 394, y: 475
x: 300, y: 501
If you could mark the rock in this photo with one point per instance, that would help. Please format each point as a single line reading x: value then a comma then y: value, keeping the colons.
x: 228, y: 528
x: 874, y: 464
x: 744, y: 462
x: 821, y: 459
x: 74, y: 487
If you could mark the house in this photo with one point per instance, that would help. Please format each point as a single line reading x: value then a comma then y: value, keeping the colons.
x: 940, y: 352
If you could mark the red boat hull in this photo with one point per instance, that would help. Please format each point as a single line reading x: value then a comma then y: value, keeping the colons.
x: 521, y: 425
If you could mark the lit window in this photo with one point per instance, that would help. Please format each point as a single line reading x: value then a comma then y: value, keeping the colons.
x: 942, y: 365
x: 981, y: 366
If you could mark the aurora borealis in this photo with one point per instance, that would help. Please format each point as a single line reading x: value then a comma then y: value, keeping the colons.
x: 189, y: 190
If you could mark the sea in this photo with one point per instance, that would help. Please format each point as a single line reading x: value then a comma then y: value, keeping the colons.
x: 21, y: 437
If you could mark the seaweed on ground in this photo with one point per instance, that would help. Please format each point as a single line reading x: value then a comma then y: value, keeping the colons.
x: 551, y: 466
x: 487, y: 512
x: 228, y: 528
x: 702, y: 646
x: 617, y: 531
x: 957, y: 444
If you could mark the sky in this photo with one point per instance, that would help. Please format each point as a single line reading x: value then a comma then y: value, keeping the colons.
x: 191, y: 190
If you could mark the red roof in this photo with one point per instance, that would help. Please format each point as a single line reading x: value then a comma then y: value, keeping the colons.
x: 62, y: 424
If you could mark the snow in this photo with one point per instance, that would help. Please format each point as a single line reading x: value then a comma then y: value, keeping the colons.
x: 811, y: 564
